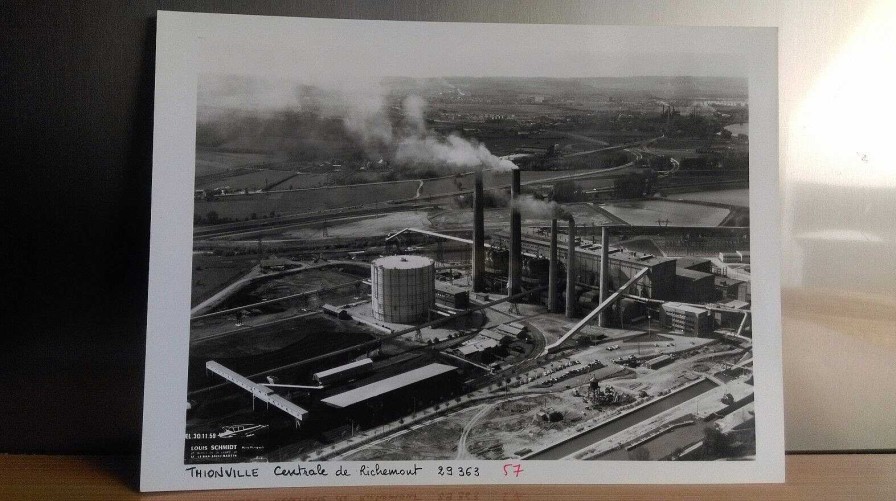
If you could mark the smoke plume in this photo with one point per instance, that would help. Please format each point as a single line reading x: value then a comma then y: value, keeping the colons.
x: 414, y: 108
x: 534, y: 208
x: 368, y: 113
x: 423, y: 146
x: 452, y: 151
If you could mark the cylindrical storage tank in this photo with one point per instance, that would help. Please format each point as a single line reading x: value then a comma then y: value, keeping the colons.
x: 403, y: 288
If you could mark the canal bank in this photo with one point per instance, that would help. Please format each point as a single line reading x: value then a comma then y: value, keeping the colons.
x: 623, y: 422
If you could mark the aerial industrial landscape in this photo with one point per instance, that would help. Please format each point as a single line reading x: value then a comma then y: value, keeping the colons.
x: 473, y: 268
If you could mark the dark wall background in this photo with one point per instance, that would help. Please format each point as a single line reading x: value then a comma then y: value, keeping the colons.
x: 76, y: 104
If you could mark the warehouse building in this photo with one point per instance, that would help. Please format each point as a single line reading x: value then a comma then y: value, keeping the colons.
x: 731, y: 288
x: 343, y: 372
x: 694, y: 263
x: 694, y: 286
x: 398, y: 395
x: 452, y: 295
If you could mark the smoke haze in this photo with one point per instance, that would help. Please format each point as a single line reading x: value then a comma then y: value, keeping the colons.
x: 534, y: 208
x: 364, y: 111
x: 453, y: 151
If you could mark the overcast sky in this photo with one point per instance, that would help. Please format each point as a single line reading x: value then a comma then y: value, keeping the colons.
x: 326, y: 50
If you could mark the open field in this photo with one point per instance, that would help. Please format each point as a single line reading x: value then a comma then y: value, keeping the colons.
x: 436, y: 439
x: 252, y: 181
x: 519, y: 110
x: 250, y: 206
x: 648, y: 212
x: 735, y: 129
x: 731, y: 197
x: 264, y: 348
x: 292, y: 202
x: 365, y: 226
x: 295, y: 283
x: 212, y: 162
x: 213, y: 273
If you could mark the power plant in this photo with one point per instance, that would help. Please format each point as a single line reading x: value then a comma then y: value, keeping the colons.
x: 410, y: 293
x: 518, y: 299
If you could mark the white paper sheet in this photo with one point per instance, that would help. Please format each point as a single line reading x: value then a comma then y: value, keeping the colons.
x: 288, y: 151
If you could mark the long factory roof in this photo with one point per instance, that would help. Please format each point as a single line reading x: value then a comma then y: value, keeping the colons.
x: 342, y: 368
x: 683, y: 307
x: 693, y: 274
x: 387, y: 385
x: 615, y: 254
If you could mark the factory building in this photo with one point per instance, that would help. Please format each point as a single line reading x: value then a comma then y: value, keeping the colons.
x: 658, y: 362
x: 731, y: 288
x: 452, y: 295
x: 491, y: 334
x: 694, y: 263
x: 659, y: 283
x: 685, y: 318
x: 398, y: 395
x: 336, y: 311
x: 343, y: 372
x: 730, y: 319
x: 512, y: 328
x: 735, y: 257
x: 474, y: 348
x: 694, y: 286
x: 402, y: 288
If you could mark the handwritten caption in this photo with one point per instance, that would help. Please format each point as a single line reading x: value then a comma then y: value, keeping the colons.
x: 459, y: 470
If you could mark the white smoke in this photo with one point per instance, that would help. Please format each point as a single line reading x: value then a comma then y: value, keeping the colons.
x: 534, y: 208
x: 365, y: 117
x: 364, y: 107
x: 422, y: 146
x: 452, y: 151
x: 414, y: 108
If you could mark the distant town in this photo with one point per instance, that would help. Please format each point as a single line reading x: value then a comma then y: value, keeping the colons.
x: 474, y: 268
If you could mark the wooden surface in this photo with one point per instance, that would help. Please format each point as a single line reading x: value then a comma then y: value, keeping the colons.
x: 809, y: 477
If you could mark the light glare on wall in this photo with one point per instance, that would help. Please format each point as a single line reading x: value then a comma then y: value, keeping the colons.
x: 845, y: 128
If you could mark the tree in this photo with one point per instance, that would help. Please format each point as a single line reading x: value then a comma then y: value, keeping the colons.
x: 565, y: 191
x: 715, y: 443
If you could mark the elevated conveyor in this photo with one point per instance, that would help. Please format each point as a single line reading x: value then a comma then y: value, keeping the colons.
x: 595, y: 312
x: 432, y: 234
x: 258, y: 391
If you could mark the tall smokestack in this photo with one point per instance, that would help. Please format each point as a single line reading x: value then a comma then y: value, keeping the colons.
x: 553, y: 269
x: 571, y: 270
x: 516, y: 250
x: 478, y: 236
x: 604, y: 272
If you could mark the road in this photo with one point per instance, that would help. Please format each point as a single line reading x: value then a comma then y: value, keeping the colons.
x: 251, y: 229
x: 462, y: 452
x: 613, y: 148
x: 257, y: 274
x: 251, y: 328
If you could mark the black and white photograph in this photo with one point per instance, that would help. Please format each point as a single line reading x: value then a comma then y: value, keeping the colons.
x: 457, y: 242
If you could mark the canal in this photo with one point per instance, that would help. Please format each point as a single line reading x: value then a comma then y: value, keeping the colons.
x: 595, y: 435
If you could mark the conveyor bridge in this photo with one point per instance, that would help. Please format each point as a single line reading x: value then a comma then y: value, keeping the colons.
x: 258, y: 391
